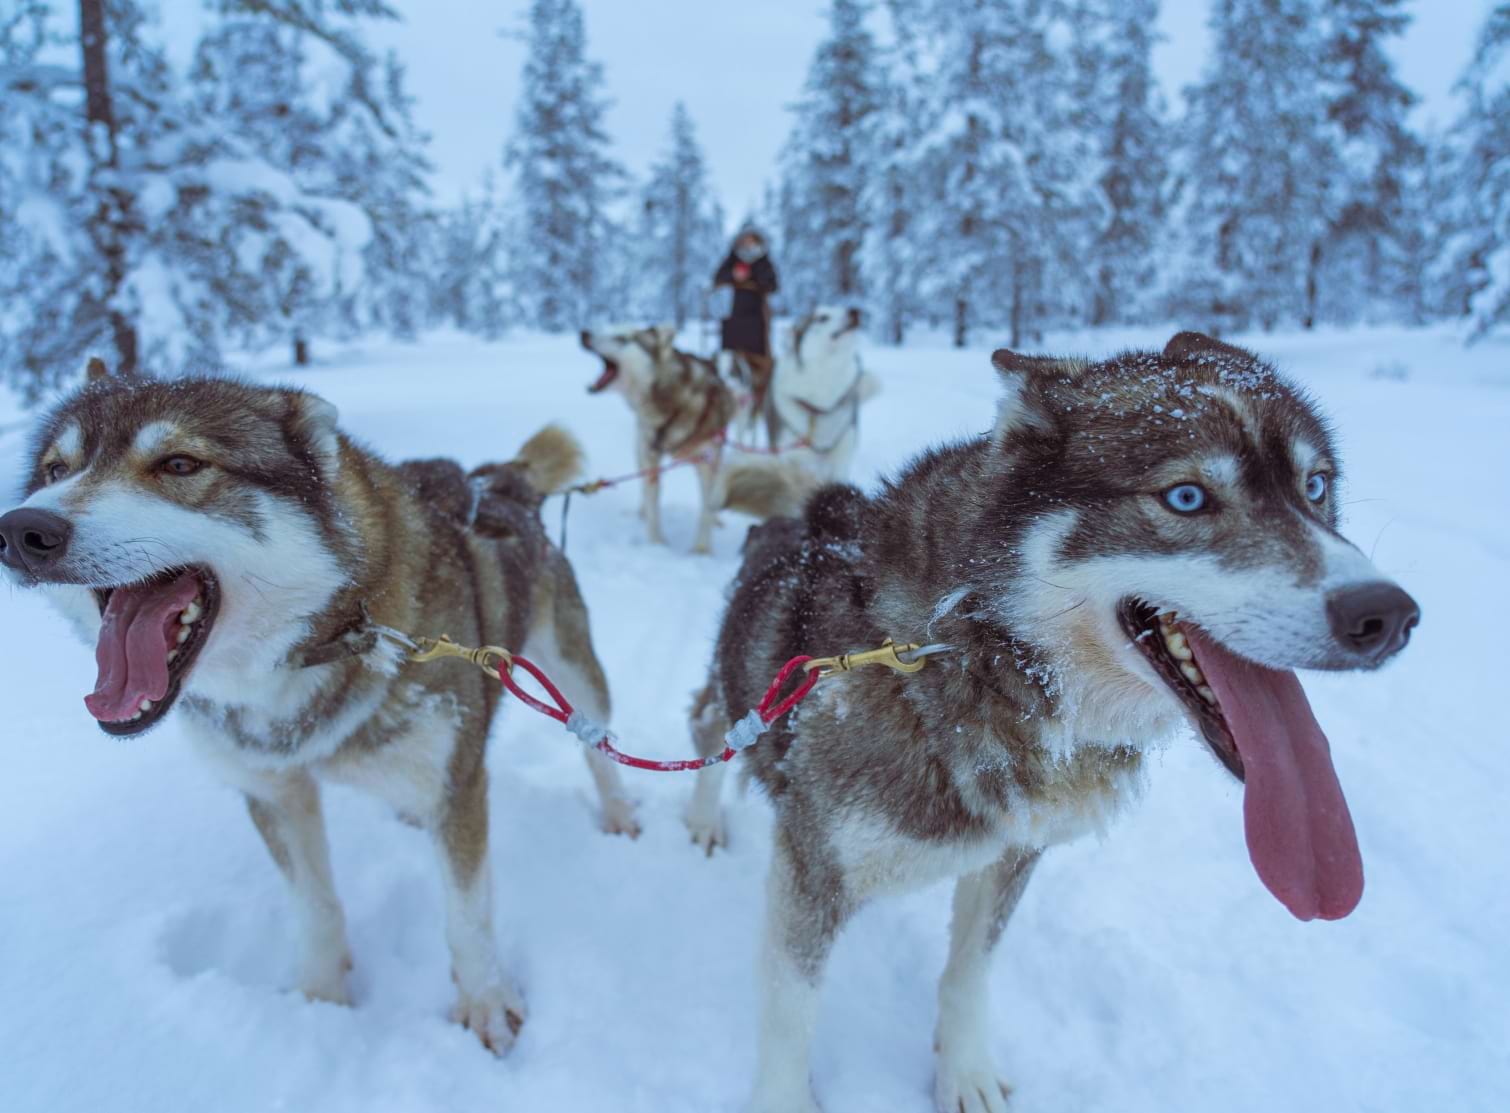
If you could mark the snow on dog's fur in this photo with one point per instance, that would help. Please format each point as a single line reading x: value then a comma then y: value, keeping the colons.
x: 1137, y: 544
x: 228, y: 551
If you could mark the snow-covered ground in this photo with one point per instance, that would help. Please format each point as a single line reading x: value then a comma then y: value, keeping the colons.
x: 145, y: 944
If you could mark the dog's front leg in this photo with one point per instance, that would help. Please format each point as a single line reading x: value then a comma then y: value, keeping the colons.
x: 707, y: 518
x: 487, y: 1002
x: 965, y: 1074
x: 650, y: 490
x: 286, y: 809
x: 805, y: 908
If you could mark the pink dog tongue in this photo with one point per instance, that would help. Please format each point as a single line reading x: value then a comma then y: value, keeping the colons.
x: 132, y: 653
x: 1300, y: 835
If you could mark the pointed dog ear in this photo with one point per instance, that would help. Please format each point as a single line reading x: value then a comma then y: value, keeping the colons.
x: 1019, y: 407
x: 313, y: 421
x: 1188, y: 345
x: 665, y: 335
x: 96, y: 370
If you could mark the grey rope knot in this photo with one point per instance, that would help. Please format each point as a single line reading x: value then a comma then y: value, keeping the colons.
x: 746, y: 732
x: 589, y: 730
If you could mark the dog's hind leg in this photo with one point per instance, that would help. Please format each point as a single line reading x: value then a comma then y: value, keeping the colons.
x: 561, y: 643
x: 487, y: 1002
x: 806, y: 906
x: 705, y: 811
x: 965, y: 1074
x: 286, y: 810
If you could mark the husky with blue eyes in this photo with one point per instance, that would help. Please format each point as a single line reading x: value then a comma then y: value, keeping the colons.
x: 1138, y: 546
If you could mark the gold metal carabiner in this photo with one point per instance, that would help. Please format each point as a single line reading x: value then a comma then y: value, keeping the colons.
x: 887, y: 655
x: 491, y: 659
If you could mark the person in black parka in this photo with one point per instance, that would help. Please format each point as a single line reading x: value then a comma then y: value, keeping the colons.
x: 747, y: 328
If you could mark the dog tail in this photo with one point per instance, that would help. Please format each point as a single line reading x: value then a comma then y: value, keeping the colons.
x: 765, y: 488
x: 551, y: 459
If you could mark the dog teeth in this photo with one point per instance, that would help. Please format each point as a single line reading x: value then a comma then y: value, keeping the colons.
x: 1178, y: 647
x: 135, y: 717
x: 1206, y: 693
x: 145, y: 707
x: 1192, y: 673
x: 172, y: 653
x: 183, y: 634
x: 191, y: 613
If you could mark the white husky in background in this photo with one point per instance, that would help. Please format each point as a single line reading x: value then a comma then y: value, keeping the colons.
x: 817, y: 390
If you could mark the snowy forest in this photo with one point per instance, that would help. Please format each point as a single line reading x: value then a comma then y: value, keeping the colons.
x: 999, y: 167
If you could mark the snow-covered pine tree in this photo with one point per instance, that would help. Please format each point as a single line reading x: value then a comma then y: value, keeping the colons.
x: 162, y: 239
x: 888, y: 194
x: 681, y: 232
x: 1008, y: 208
x: 1362, y: 264
x: 826, y: 161
x: 1121, y: 102
x: 1476, y: 252
x: 1261, y: 172
x: 469, y: 285
x: 564, y: 178
x: 297, y: 79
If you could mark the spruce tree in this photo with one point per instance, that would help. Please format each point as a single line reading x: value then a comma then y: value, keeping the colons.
x: 1363, y: 262
x: 1260, y: 169
x: 564, y: 177
x: 356, y: 142
x: 1006, y: 206
x: 1114, y: 45
x: 1476, y: 253
x: 827, y: 160
x: 680, y: 227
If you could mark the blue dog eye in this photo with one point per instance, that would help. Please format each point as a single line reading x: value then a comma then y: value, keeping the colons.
x: 1187, y: 498
x: 1316, y: 487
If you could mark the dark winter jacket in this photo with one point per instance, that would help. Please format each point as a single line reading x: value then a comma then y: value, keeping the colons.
x: 747, y: 327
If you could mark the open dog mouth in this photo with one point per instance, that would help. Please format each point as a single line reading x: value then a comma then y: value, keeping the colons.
x: 151, y: 633
x: 1167, y: 649
x: 603, y: 381
x: 1259, y: 724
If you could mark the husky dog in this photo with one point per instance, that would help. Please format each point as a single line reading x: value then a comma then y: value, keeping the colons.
x: 230, y: 552
x: 1138, y: 545
x: 682, y: 409
x: 818, y: 388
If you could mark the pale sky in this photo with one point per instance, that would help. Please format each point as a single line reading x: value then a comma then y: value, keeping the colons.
x: 738, y: 65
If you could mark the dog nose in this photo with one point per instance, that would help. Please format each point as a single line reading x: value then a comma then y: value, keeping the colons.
x: 1374, y: 620
x: 30, y: 540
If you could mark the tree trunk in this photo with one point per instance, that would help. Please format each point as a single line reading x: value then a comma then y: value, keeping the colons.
x: 1312, y: 270
x: 111, y: 219
x: 301, y: 352
x: 961, y: 322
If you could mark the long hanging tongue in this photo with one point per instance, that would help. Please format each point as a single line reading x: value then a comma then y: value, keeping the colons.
x: 1300, y: 835
x: 140, y: 625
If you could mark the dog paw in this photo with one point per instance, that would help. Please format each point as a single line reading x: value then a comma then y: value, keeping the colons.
x: 325, y: 980
x: 708, y: 831
x: 494, y: 1015
x: 969, y: 1086
x: 618, y: 817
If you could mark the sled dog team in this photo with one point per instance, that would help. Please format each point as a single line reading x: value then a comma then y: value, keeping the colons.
x: 1132, y: 546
